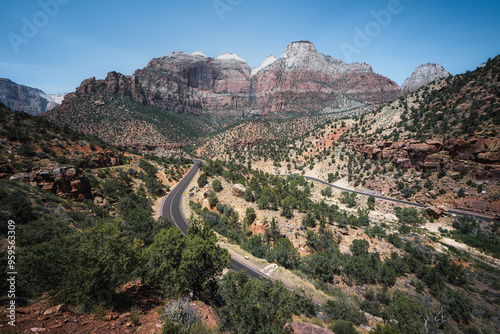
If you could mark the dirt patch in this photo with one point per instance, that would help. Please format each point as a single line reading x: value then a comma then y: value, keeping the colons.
x: 490, y: 260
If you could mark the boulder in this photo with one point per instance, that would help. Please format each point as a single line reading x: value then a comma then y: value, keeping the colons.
x: 465, y: 148
x: 431, y: 166
x: 418, y: 152
x: 489, y: 157
x: 20, y: 176
x: 239, y: 190
x: 434, y: 212
x: 55, y: 310
x: 403, y: 163
x: 66, y: 182
x: 386, y: 153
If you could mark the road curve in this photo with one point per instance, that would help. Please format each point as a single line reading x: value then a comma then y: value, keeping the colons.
x: 171, y: 209
x: 398, y: 201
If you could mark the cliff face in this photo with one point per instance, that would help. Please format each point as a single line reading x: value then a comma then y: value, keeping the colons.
x: 302, y: 80
x: 424, y: 75
x: 30, y: 100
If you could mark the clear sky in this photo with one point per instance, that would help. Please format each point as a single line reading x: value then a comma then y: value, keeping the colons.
x: 55, y: 44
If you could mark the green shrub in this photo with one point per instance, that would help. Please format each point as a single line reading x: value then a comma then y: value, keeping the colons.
x: 173, y: 262
x: 343, y: 308
x: 385, y: 329
x: 202, y: 180
x: 212, y: 198
x: 371, y: 202
x: 27, y: 150
x: 255, y: 306
x: 250, y: 216
x: 155, y: 187
x: 407, y: 312
x: 343, y: 327
x: 284, y: 254
x: 81, y: 267
x: 217, y: 185
x: 15, y: 206
x: 359, y: 247
x: 180, y: 316
x: 148, y: 168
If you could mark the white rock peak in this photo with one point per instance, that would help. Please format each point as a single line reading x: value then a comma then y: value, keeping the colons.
x: 269, y: 60
x: 198, y: 53
x: 54, y: 98
x: 299, y: 50
x: 423, y: 75
x: 232, y: 56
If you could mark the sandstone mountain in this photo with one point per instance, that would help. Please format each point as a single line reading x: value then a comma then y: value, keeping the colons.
x: 30, y: 100
x: 424, y: 75
x: 302, y: 80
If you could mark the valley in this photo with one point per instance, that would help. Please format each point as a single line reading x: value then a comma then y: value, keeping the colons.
x: 305, y: 195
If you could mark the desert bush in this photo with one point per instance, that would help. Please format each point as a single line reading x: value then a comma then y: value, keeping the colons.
x: 180, y: 313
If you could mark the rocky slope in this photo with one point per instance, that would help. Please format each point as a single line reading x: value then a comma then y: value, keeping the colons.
x: 302, y: 80
x: 30, y: 100
x: 120, y: 120
x: 479, y: 157
x: 424, y: 75
x: 46, y: 156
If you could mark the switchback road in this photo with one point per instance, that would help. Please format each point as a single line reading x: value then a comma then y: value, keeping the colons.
x: 171, y: 209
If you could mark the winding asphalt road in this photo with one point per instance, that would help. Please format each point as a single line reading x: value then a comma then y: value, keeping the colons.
x: 171, y: 209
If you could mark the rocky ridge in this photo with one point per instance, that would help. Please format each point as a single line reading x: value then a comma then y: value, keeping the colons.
x: 424, y: 75
x: 66, y: 182
x: 481, y: 157
x: 30, y: 100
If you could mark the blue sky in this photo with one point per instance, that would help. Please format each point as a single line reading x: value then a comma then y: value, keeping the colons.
x: 55, y: 47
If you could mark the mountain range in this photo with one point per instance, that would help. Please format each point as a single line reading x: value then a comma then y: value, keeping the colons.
x: 302, y: 80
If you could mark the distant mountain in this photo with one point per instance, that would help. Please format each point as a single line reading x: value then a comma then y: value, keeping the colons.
x: 30, y: 100
x: 424, y: 75
x: 302, y: 80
